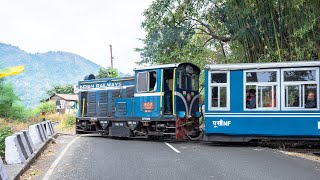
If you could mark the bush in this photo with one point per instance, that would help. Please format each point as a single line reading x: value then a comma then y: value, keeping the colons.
x: 71, y: 120
x: 18, y: 112
x: 66, y: 121
x: 4, y: 132
x: 47, y: 107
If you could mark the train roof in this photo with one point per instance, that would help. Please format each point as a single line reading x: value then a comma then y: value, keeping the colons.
x: 244, y: 66
x: 163, y: 66
x: 109, y: 79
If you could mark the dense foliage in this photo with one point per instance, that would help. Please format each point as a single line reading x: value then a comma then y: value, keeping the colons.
x: 12, y: 109
x: 10, y: 106
x: 227, y: 31
x: 107, y: 73
x: 59, y: 89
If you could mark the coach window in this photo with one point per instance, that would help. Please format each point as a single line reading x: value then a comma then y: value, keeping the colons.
x: 301, y: 88
x: 219, y: 90
x: 261, y: 89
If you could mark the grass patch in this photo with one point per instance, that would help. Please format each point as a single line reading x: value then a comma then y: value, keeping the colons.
x: 4, y: 132
x: 66, y: 121
x: 9, y: 127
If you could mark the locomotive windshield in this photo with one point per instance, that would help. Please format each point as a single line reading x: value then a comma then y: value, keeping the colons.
x: 195, y: 82
x: 188, y: 78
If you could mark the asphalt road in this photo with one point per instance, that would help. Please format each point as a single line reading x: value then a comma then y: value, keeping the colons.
x: 106, y: 158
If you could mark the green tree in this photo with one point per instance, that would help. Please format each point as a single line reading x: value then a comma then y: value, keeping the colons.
x: 228, y: 31
x: 181, y: 31
x: 59, y: 89
x: 107, y: 73
x: 47, y: 107
x: 7, y: 99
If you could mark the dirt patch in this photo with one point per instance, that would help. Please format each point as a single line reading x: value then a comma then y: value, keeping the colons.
x: 43, y: 163
x: 35, y: 170
x: 306, y: 154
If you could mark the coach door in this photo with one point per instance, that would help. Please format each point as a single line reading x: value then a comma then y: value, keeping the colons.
x: 167, y: 89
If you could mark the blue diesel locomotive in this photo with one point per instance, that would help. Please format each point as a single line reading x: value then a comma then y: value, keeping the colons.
x: 159, y: 101
x: 262, y: 100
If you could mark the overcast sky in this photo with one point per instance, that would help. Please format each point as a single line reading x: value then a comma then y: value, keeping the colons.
x: 83, y: 27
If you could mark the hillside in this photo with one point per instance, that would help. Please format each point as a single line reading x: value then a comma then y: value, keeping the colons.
x: 43, y: 71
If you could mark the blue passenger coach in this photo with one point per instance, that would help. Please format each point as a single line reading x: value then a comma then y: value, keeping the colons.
x: 262, y: 100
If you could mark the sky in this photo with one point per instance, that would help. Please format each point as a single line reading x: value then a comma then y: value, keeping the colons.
x: 83, y: 27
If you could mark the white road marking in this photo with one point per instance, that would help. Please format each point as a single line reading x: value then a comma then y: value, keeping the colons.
x: 173, y: 148
x: 55, y: 163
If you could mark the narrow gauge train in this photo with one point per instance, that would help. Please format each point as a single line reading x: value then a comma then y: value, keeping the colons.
x: 262, y: 100
x: 159, y: 101
x: 243, y: 102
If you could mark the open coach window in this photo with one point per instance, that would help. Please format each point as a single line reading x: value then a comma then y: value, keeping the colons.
x: 219, y: 90
x: 301, y: 88
x: 261, y: 88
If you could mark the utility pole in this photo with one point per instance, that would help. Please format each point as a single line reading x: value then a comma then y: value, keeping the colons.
x: 111, y: 57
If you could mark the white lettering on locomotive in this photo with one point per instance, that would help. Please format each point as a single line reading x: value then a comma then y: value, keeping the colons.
x: 100, y: 85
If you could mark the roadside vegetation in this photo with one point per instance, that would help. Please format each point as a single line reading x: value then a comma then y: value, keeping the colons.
x: 66, y: 122
x: 4, y: 132
x: 14, y: 116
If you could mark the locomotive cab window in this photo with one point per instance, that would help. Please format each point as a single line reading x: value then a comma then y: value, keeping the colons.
x: 142, y: 78
x: 261, y: 89
x: 301, y: 88
x: 219, y: 90
x: 146, y: 81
